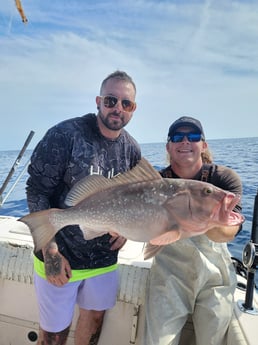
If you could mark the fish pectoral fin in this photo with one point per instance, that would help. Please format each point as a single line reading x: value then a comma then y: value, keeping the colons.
x: 156, y: 244
x: 150, y: 251
x: 166, y: 238
x: 89, y: 234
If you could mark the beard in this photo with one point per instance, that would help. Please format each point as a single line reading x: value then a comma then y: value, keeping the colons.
x: 113, y: 121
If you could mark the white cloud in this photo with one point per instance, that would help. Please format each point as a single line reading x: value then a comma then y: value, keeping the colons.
x: 195, y: 57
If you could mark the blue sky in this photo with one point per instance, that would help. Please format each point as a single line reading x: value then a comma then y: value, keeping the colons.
x: 197, y: 58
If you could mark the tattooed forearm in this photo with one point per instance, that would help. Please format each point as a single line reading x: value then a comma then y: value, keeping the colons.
x: 52, y: 259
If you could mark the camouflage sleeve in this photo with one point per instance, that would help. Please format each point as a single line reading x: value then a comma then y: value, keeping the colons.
x: 46, y: 170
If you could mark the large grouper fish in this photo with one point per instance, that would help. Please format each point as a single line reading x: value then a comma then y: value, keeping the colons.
x: 139, y: 205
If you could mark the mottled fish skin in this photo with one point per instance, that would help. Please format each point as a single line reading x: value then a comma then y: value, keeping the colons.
x: 139, y: 205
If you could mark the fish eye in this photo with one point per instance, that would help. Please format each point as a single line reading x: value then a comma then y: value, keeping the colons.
x: 207, y: 190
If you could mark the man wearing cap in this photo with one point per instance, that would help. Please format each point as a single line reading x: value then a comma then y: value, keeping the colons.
x: 194, y: 276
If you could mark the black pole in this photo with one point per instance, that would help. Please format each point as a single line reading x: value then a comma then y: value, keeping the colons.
x: 248, y: 304
x: 16, y: 163
x: 254, y: 235
x: 251, y: 257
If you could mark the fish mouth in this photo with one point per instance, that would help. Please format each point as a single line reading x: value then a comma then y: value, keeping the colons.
x: 226, y: 212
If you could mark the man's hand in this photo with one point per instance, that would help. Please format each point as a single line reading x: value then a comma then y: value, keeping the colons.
x: 58, y: 270
x: 117, y: 242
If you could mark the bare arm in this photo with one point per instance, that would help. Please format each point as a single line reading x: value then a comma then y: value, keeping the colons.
x: 229, y: 180
x: 223, y: 233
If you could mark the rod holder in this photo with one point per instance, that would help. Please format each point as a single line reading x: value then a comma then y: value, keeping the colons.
x: 250, y: 261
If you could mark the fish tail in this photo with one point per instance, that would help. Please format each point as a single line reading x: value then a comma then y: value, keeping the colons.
x: 41, y: 228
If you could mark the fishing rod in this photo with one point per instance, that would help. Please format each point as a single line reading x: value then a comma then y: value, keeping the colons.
x: 15, y: 165
x: 250, y: 261
x: 15, y: 183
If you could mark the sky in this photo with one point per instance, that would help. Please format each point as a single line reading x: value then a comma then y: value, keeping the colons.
x: 196, y: 58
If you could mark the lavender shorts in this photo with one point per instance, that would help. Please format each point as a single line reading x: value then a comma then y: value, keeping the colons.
x: 56, y: 304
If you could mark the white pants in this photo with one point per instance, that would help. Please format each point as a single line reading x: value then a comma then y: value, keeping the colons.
x: 195, y: 277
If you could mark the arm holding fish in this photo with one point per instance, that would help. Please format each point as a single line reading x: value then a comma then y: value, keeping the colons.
x: 222, y: 234
x: 57, y: 268
x: 227, y: 179
x: 40, y: 196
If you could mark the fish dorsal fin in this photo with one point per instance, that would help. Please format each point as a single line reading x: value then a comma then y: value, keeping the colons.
x: 86, y: 187
x: 92, y: 184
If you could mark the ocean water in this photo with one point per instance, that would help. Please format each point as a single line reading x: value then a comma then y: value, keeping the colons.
x: 238, y: 154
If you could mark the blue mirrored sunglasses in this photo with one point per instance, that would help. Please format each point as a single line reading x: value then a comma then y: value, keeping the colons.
x: 179, y: 137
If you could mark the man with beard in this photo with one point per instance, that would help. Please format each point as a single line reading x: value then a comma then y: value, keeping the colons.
x: 71, y: 270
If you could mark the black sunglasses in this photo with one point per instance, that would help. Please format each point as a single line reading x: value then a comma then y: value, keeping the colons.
x: 179, y: 137
x: 111, y: 101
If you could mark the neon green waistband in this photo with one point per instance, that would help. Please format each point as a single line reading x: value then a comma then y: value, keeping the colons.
x: 39, y: 268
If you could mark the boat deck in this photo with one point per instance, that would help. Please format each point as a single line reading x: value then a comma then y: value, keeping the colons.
x: 123, y: 325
